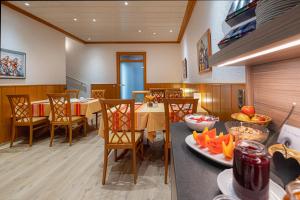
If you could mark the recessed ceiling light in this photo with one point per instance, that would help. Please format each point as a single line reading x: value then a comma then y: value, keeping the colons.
x: 126, y: 3
x: 140, y: 31
x: 154, y: 33
x: 89, y: 38
x: 94, y: 20
x: 27, y: 4
x: 75, y: 19
x: 171, y: 31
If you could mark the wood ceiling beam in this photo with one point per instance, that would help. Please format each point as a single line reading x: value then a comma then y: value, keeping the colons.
x: 187, y: 16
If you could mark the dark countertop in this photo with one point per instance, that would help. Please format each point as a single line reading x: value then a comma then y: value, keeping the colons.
x: 195, y: 175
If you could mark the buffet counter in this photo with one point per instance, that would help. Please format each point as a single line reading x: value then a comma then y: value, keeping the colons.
x: 194, y: 177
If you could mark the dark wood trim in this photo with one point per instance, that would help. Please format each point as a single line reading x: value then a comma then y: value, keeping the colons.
x: 16, y: 8
x: 133, y: 42
x: 118, y: 61
x: 187, y: 16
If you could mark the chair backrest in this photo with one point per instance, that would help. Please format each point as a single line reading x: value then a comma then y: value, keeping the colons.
x: 98, y: 94
x: 118, y: 118
x: 139, y: 93
x: 177, y: 109
x: 21, y: 108
x: 73, y: 93
x: 158, y: 94
x: 60, y: 107
x: 174, y: 93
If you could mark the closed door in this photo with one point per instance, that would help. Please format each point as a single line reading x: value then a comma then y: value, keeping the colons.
x: 131, y: 73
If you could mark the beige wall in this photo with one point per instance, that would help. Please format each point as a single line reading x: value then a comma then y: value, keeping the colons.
x: 44, y: 48
x: 208, y: 14
x: 96, y: 63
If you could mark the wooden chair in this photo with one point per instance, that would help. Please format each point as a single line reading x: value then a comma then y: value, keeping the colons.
x: 174, y: 93
x: 73, y: 93
x: 22, y: 116
x: 120, y: 135
x: 140, y: 92
x: 97, y: 94
x: 61, y: 115
x: 175, y: 111
x: 158, y: 94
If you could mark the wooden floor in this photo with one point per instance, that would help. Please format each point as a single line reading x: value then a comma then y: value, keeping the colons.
x: 63, y: 172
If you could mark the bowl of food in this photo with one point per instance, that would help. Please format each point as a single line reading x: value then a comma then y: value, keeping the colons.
x: 248, y: 114
x: 247, y: 131
x: 198, y: 122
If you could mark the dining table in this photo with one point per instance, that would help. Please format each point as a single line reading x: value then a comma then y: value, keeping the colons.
x: 79, y: 107
x: 150, y: 119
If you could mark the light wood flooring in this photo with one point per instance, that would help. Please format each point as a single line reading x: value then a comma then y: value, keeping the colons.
x: 70, y: 173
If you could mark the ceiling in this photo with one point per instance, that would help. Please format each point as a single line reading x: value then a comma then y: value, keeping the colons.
x: 151, y: 21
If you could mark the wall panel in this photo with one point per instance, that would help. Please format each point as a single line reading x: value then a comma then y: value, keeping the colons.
x: 275, y: 87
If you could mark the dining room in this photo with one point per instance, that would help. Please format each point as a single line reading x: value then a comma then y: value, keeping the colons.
x: 150, y: 100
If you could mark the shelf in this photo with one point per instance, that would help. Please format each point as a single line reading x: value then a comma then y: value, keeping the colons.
x: 241, y: 15
x: 285, y: 28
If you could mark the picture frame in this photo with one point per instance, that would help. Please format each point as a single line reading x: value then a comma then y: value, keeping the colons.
x: 12, y: 64
x: 184, y: 65
x: 204, y: 52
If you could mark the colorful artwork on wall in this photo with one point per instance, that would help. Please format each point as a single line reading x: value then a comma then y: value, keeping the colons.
x: 12, y: 64
x: 204, y: 51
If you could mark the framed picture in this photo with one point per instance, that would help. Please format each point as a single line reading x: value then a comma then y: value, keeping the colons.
x: 12, y: 64
x: 184, y: 64
x: 204, y: 51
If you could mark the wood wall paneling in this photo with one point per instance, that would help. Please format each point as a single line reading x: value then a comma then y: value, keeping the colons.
x: 226, y: 99
x: 216, y: 99
x: 36, y: 92
x: 234, y: 98
x: 275, y: 87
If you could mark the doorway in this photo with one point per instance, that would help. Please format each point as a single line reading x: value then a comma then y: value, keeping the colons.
x: 131, y: 73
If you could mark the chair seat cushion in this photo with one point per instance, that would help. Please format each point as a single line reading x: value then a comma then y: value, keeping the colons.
x: 74, y: 119
x: 34, y: 120
x: 113, y: 138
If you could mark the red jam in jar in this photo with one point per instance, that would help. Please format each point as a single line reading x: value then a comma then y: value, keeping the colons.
x: 251, y: 171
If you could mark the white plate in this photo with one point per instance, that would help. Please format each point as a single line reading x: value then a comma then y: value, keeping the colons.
x: 219, y: 158
x: 224, y: 181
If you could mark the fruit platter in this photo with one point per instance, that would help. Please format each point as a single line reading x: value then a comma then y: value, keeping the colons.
x: 218, y: 148
x: 198, y: 122
x: 247, y: 114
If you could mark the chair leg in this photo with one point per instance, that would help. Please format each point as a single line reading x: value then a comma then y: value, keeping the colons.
x: 116, y: 155
x: 84, y: 127
x: 142, y: 150
x: 51, y: 135
x: 30, y: 135
x: 134, y: 165
x: 96, y: 120
x: 104, y: 165
x: 166, y: 162
x: 70, y: 135
x: 13, y: 135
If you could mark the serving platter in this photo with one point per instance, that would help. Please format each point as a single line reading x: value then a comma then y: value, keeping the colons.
x: 224, y: 181
x: 219, y: 158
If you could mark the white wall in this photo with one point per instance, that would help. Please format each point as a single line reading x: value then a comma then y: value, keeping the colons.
x: 96, y: 63
x: 44, y: 48
x: 208, y: 14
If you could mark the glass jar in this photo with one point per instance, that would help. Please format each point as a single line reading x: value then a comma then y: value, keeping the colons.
x: 293, y: 191
x: 251, y: 170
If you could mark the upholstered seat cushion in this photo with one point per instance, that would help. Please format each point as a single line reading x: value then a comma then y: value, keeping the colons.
x: 74, y: 119
x: 34, y: 120
x: 113, y: 138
